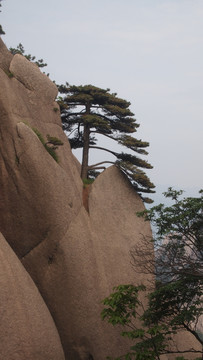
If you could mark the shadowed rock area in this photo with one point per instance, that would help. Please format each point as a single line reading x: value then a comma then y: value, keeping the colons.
x: 73, y: 256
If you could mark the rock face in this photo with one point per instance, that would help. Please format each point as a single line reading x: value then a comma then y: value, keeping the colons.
x: 27, y: 330
x: 33, y: 185
x: 74, y: 256
x: 91, y: 258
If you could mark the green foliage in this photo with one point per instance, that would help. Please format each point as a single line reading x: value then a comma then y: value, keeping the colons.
x: 53, y: 141
x: 52, y: 152
x: 9, y: 74
x: 88, y: 111
x: 39, y: 135
x: 20, y: 50
x: 176, y: 302
x: 180, y: 226
x: 87, y: 182
x: 123, y: 307
x: 138, y: 178
x: 122, y: 304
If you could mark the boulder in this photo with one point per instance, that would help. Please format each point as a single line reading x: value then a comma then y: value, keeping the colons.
x: 30, y: 76
x: 113, y: 207
x: 27, y: 329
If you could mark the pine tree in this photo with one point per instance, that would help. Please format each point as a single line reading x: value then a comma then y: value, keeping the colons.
x: 88, y: 111
x: 20, y: 50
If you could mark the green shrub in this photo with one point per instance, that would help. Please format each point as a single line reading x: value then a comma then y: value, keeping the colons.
x: 52, y: 152
x: 36, y: 131
x: 87, y: 182
x: 9, y: 74
x: 53, y: 141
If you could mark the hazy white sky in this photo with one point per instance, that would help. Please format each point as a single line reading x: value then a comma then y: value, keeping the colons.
x: 148, y: 51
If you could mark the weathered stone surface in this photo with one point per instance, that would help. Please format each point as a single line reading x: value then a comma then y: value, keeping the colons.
x: 69, y: 285
x: 31, y: 77
x: 27, y: 330
x: 92, y: 257
x: 113, y: 205
x: 5, y: 56
x: 39, y: 197
x: 182, y: 341
x: 75, y: 257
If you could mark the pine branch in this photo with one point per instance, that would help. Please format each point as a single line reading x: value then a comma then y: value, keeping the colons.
x: 90, y: 167
x: 194, y: 333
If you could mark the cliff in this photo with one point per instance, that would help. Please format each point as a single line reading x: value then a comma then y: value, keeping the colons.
x: 73, y: 256
x: 58, y: 259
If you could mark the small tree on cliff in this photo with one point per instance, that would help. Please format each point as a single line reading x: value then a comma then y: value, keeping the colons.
x: 20, y: 50
x: 176, y: 303
x: 88, y: 111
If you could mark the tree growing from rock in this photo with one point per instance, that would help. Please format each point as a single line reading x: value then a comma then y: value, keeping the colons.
x: 20, y: 50
x: 176, y: 302
x: 88, y: 112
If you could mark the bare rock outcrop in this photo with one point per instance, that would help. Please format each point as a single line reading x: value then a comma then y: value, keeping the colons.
x: 27, y: 330
x: 74, y: 255
x: 5, y: 57
x: 33, y: 185
x: 113, y: 204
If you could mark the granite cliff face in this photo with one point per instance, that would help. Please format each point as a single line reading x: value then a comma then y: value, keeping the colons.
x: 73, y: 256
x: 58, y: 259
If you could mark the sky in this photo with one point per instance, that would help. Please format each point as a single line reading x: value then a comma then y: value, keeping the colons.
x: 150, y: 52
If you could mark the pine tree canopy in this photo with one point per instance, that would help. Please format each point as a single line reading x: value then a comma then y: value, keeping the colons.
x: 88, y: 111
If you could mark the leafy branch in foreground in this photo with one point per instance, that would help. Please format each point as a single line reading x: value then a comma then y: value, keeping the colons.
x: 176, y: 302
x: 179, y: 237
x: 123, y: 307
x: 151, y: 336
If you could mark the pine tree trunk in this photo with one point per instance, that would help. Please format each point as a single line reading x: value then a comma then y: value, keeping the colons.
x: 85, y: 155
